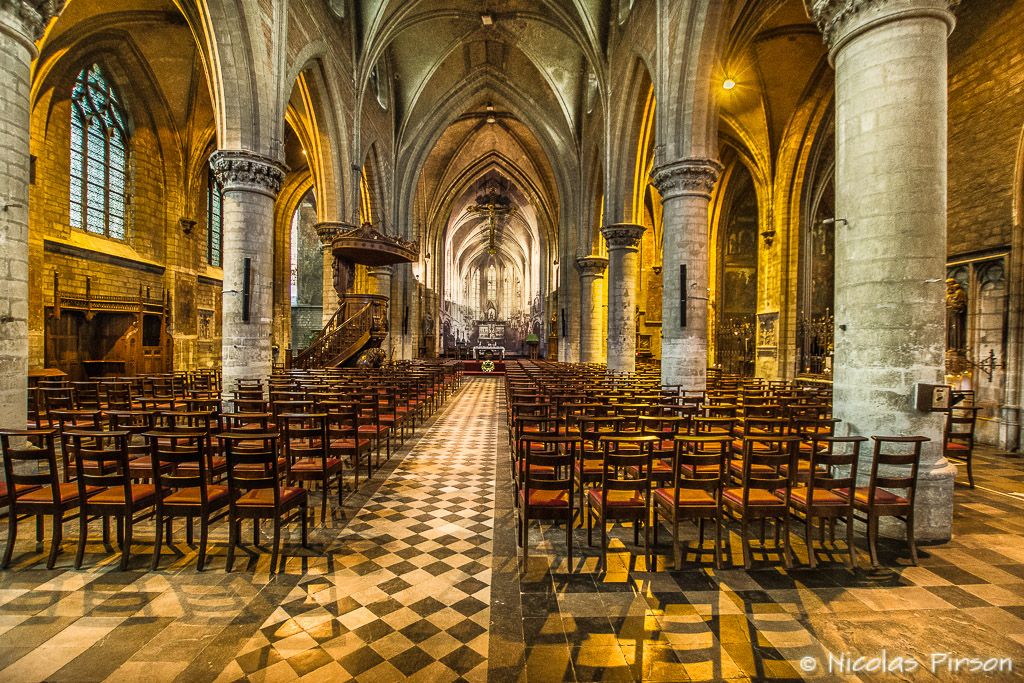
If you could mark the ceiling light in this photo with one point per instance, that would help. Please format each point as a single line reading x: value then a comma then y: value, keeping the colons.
x: 728, y: 84
x: 487, y: 19
x: 490, y: 107
x: 303, y: 152
x: 491, y: 119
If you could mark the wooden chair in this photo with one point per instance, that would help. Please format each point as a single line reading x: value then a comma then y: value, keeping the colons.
x: 346, y: 443
x: 32, y: 488
x: 898, y: 471
x: 307, y: 448
x: 828, y: 470
x: 698, y: 474
x: 764, y: 490
x: 255, y: 490
x: 589, y: 467
x: 547, y: 497
x: 183, y: 488
x: 105, y: 488
x: 958, y: 441
x: 621, y: 497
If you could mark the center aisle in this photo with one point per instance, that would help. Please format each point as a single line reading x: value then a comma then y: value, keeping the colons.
x: 409, y: 596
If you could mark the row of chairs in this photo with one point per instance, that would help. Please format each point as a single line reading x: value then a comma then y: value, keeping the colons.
x: 669, y: 468
x: 240, y: 460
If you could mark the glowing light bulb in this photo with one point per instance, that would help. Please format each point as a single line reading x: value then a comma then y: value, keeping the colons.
x: 728, y: 84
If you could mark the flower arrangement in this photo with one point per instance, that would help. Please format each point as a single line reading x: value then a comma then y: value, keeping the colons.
x: 487, y: 366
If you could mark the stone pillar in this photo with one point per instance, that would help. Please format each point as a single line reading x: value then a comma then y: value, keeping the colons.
x: 327, y: 231
x: 21, y: 23
x: 623, y: 241
x: 891, y: 89
x: 250, y: 184
x: 685, y: 188
x: 380, y: 283
x: 591, y: 274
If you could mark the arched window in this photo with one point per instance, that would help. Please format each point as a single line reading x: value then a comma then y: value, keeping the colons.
x: 214, y: 221
x: 492, y: 285
x: 99, y: 155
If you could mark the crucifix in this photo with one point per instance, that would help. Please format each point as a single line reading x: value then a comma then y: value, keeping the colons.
x: 493, y: 205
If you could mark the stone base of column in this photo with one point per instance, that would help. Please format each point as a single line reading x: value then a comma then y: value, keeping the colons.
x: 684, y: 363
x: 933, y: 507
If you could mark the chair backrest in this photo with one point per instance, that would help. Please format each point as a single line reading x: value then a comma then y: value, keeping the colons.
x: 252, y: 462
x: 26, y: 465
x: 118, y: 395
x: 87, y: 394
x: 960, y: 423
x: 895, y: 464
x: 833, y: 463
x: 56, y: 398
x: 557, y: 451
x: 704, y: 457
x: 702, y: 425
x: 179, y: 446
x: 627, y: 463
x: 770, y: 463
x: 304, y: 435
x: 101, y: 459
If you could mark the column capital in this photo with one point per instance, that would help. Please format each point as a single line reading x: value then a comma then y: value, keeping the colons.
x: 377, y: 271
x: 238, y: 170
x: 591, y: 266
x: 842, y: 20
x: 328, y: 230
x: 692, y: 176
x: 25, y: 20
x: 623, y: 235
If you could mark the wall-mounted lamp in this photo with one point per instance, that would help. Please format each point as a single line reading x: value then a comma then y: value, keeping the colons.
x: 833, y: 221
x: 728, y: 84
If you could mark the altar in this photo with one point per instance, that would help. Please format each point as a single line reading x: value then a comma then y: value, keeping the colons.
x: 477, y: 350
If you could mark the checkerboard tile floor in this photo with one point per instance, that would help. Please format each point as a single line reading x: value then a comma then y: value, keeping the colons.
x: 418, y: 577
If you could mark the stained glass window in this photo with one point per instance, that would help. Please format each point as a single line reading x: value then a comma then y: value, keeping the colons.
x: 99, y: 156
x: 214, y: 221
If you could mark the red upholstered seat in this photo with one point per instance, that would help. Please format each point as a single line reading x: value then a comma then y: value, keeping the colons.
x: 882, y: 497
x: 617, y: 498
x: 687, y: 497
x: 542, y: 498
x: 265, y: 497
x: 957, y: 446
x: 821, y: 497
x: 190, y: 496
x: 68, y: 494
x: 115, y: 495
x: 314, y: 464
x: 757, y: 496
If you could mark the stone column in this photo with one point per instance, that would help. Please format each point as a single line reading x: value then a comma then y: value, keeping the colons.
x: 623, y: 254
x: 891, y: 89
x: 591, y: 273
x: 250, y: 184
x: 380, y: 283
x: 685, y: 188
x: 21, y: 24
x: 327, y: 231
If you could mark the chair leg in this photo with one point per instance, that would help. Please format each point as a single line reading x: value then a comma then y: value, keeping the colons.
x: 568, y: 538
x: 746, y: 542
x: 787, y: 559
x: 970, y: 469
x: 83, y: 535
x: 126, y: 547
x: 305, y: 527
x: 12, y: 534
x: 811, y: 562
x: 158, y: 543
x: 849, y: 540
x: 604, y: 544
x: 58, y: 536
x: 277, y: 541
x: 910, y: 538
x: 718, y: 542
x: 203, y: 534
x: 872, y: 537
x: 232, y: 540
x: 648, y: 553
x: 323, y: 501
x: 39, y: 530
x: 189, y: 531
x: 256, y: 531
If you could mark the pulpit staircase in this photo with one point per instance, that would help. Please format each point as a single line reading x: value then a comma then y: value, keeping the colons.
x: 360, y: 323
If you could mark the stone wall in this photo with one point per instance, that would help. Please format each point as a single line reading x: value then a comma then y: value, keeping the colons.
x: 986, y: 111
